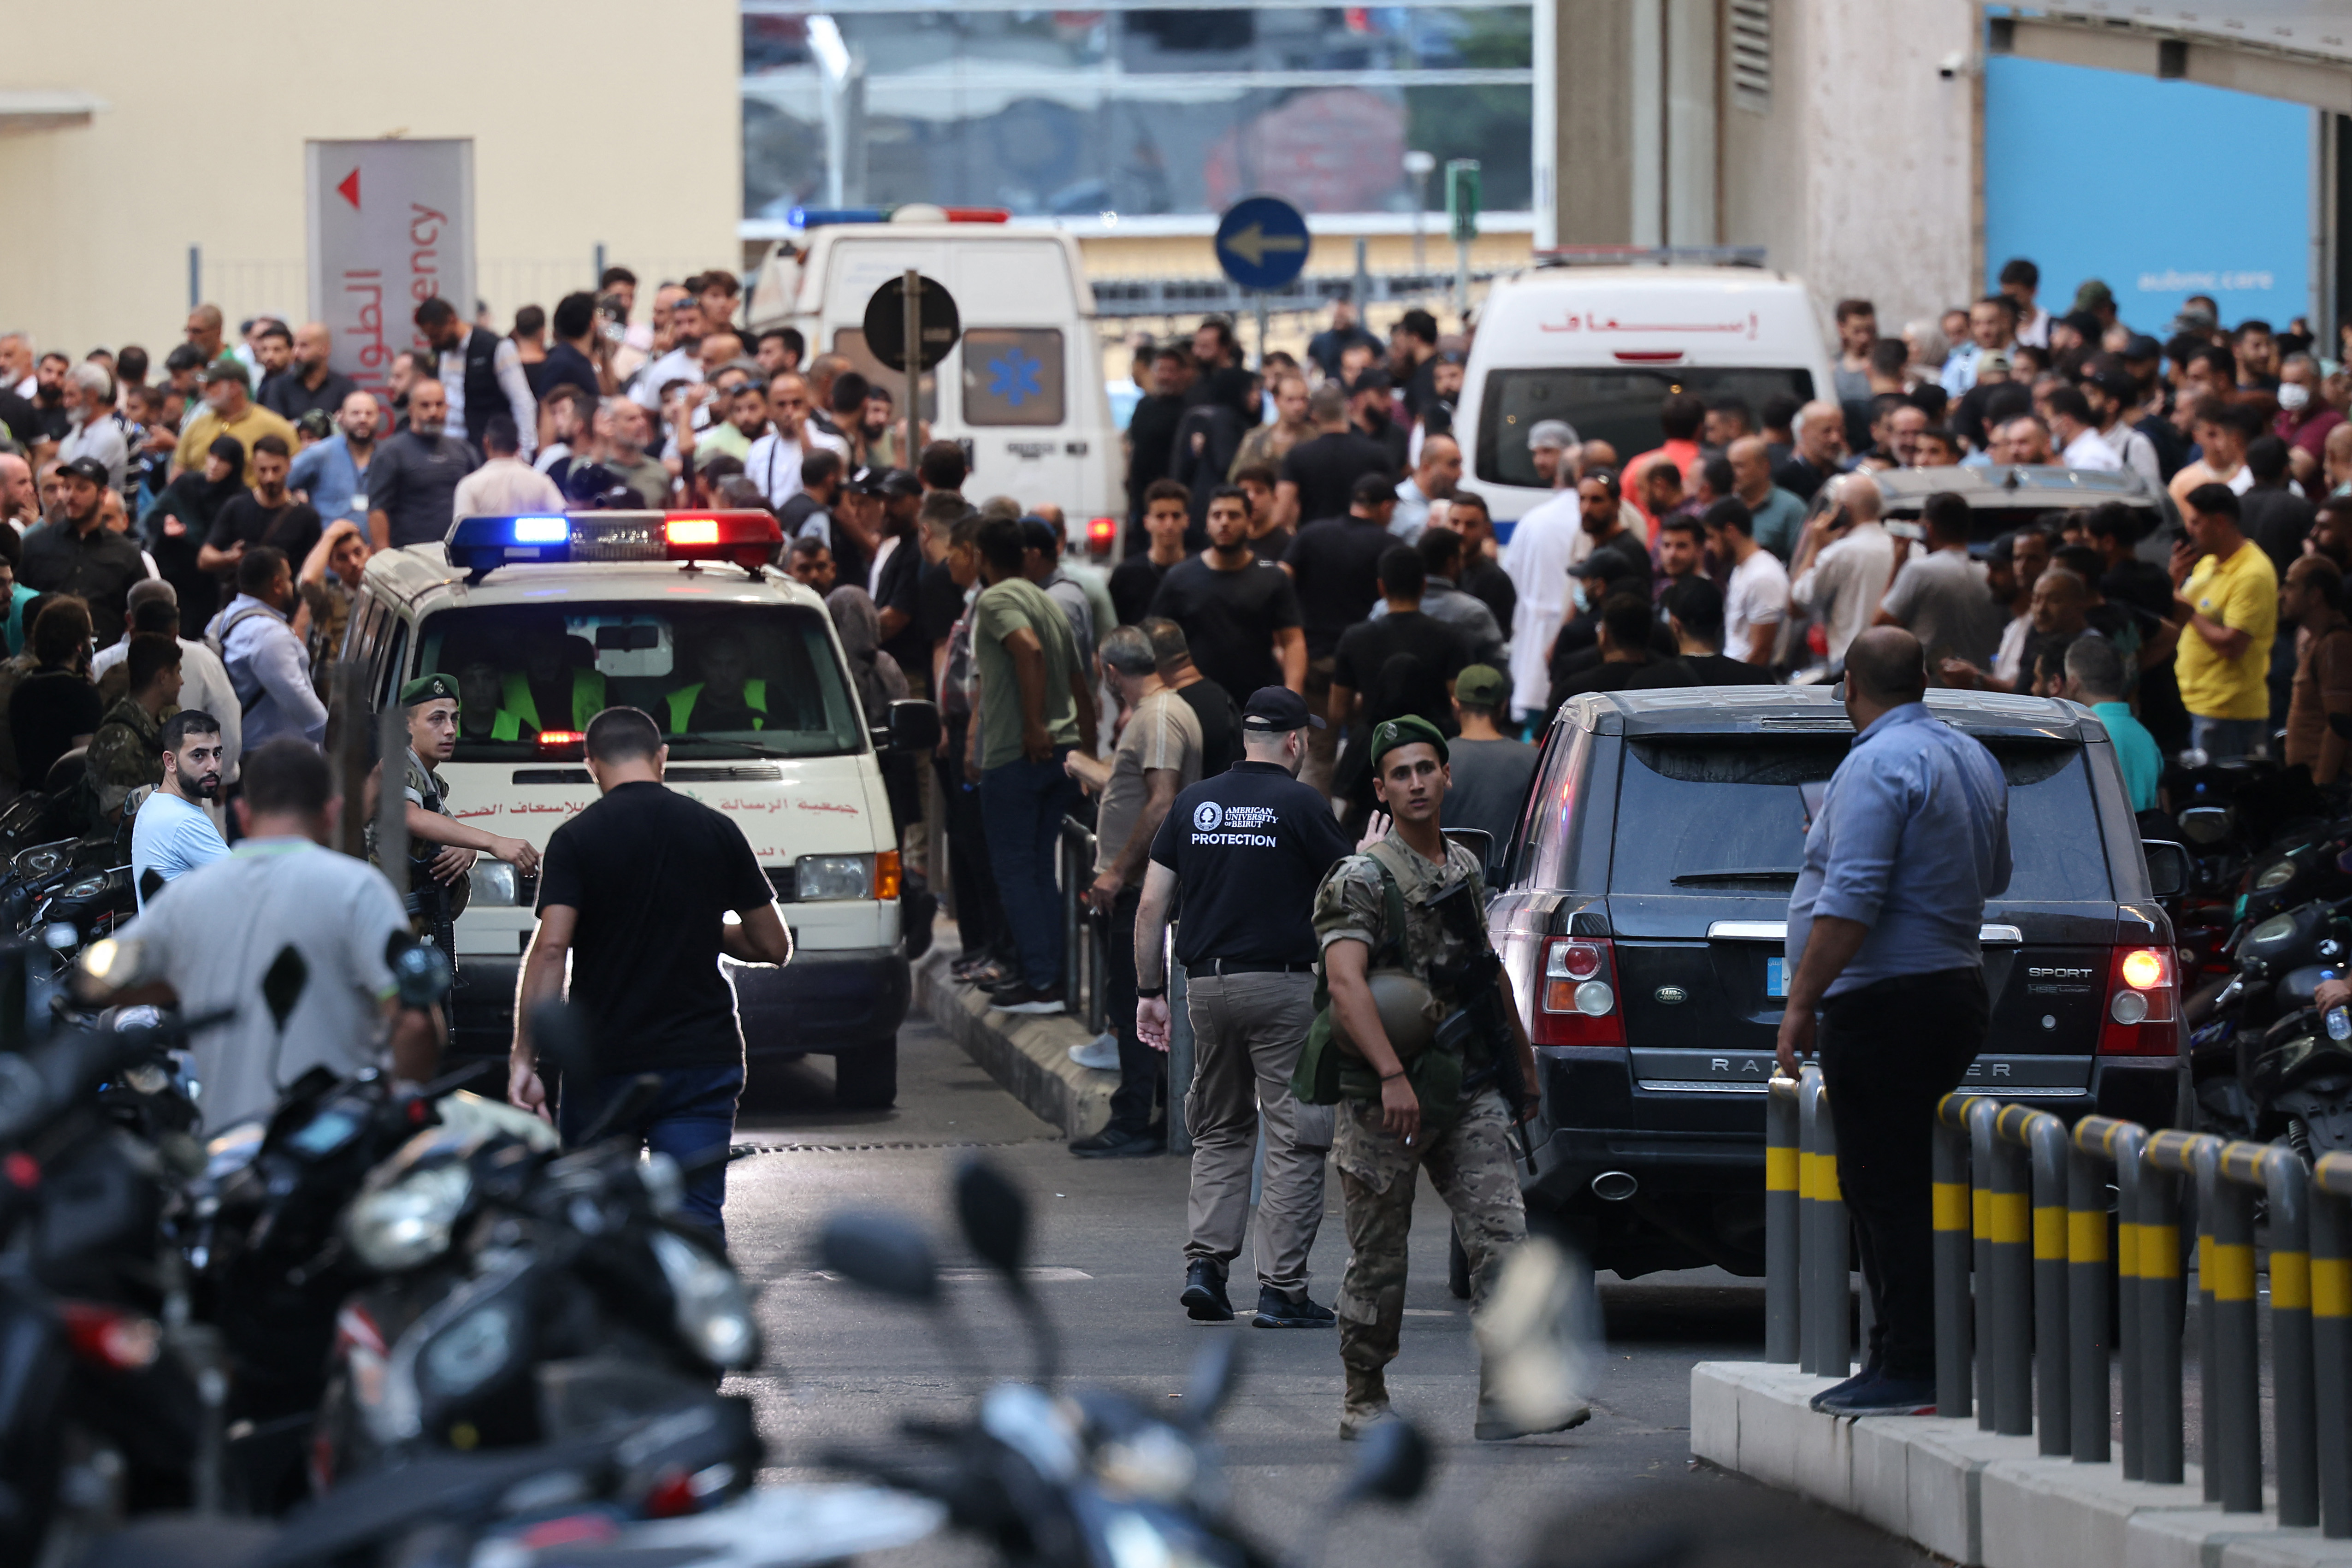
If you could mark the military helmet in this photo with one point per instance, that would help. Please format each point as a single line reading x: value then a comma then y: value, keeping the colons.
x: 1407, y: 1009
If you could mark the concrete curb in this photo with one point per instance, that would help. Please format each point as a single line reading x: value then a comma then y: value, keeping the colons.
x: 1972, y: 1497
x: 1029, y: 1056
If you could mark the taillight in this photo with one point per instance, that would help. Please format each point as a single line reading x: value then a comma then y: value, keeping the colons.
x: 111, y: 1337
x: 1102, y: 533
x: 2141, y: 995
x: 1576, y: 994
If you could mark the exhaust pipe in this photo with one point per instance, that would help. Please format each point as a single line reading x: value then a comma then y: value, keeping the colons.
x: 1614, y: 1186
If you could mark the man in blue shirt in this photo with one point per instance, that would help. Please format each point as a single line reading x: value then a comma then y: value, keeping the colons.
x: 2094, y: 678
x: 333, y: 474
x: 1910, y: 839
x: 172, y: 835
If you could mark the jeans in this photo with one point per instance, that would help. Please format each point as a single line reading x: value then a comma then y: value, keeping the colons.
x: 695, y: 1113
x: 2224, y: 739
x: 1142, y: 1071
x: 980, y: 920
x: 1023, y: 805
x: 1889, y: 1052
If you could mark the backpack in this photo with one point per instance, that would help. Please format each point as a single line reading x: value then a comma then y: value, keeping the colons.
x: 218, y: 642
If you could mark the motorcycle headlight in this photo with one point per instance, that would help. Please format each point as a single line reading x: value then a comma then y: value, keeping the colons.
x: 494, y: 883
x: 409, y: 1221
x: 2277, y: 874
x: 469, y: 1352
x: 2276, y: 928
x: 834, y: 877
x: 87, y: 887
x: 714, y: 1315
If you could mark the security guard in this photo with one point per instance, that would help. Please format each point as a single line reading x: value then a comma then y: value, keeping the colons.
x: 1417, y: 1052
x: 441, y: 850
x: 1245, y: 850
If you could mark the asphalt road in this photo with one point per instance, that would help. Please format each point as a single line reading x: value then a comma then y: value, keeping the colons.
x: 842, y: 1365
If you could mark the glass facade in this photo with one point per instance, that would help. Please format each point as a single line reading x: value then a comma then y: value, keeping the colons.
x: 1132, y: 111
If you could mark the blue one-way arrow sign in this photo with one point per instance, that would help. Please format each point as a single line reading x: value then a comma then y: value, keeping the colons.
x: 1262, y: 242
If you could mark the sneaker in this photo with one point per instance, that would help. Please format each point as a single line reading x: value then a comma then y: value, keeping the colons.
x: 1019, y: 996
x: 1880, y: 1395
x: 1869, y: 1373
x: 1117, y: 1143
x: 1101, y: 1053
x: 1205, y: 1293
x: 1276, y: 1311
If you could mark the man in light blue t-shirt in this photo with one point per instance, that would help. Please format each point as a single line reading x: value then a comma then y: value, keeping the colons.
x: 172, y: 834
x: 2094, y: 678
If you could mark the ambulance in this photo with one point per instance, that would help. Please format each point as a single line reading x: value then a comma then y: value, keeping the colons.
x: 1022, y: 392
x: 546, y: 620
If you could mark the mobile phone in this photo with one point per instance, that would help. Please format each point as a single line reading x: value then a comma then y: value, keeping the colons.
x: 1903, y: 529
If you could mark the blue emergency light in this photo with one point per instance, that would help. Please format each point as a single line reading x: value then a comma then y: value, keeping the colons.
x: 479, y: 545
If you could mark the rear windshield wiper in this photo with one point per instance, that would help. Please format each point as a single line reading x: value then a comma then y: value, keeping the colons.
x: 745, y: 747
x: 1702, y: 878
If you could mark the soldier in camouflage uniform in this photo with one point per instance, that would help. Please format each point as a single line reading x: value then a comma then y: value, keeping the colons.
x: 441, y: 850
x: 126, y: 753
x: 1410, y: 1096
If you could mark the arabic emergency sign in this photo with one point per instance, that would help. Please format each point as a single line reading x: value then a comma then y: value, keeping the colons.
x: 1262, y: 242
x: 391, y: 224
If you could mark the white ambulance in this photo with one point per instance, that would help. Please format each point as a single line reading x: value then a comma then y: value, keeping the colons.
x: 1601, y: 346
x: 1022, y: 391
x: 546, y: 620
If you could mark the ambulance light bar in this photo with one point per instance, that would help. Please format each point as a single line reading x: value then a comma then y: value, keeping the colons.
x: 482, y: 544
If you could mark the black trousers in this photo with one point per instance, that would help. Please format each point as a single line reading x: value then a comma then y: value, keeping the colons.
x: 979, y: 917
x: 1889, y: 1052
x: 1136, y: 1105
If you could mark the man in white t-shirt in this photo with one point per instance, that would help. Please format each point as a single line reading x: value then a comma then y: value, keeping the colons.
x: 1845, y: 562
x: 773, y: 462
x: 2075, y: 433
x: 1756, y: 600
x: 172, y: 835
x: 206, y: 940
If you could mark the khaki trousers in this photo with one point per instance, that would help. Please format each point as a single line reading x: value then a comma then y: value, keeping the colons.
x: 1247, y: 1031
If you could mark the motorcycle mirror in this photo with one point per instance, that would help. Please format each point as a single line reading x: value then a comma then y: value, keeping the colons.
x: 1536, y: 1333
x: 560, y: 1033
x: 420, y: 976
x: 882, y: 1252
x: 1215, y: 1371
x: 283, y: 982
x: 995, y: 1219
x: 2168, y: 868
x: 1393, y: 1466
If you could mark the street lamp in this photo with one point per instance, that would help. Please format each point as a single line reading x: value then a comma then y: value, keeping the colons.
x: 1419, y: 164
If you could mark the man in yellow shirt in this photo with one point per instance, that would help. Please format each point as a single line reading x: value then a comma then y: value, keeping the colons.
x: 2227, y: 606
x: 229, y: 410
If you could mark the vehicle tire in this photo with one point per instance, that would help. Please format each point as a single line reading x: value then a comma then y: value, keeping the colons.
x: 1457, y: 1265
x: 868, y: 1077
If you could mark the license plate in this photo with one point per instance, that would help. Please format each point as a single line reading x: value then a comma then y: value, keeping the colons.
x: 1776, y: 977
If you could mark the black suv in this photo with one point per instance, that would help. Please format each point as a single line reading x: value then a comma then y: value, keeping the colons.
x: 1641, y: 906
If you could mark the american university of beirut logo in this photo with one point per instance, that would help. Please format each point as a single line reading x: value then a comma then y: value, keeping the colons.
x: 1207, y: 817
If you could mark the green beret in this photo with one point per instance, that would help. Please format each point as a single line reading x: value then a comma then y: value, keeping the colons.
x: 1410, y: 730
x: 428, y: 688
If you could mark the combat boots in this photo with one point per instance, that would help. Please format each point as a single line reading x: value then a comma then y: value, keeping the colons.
x: 1367, y: 1402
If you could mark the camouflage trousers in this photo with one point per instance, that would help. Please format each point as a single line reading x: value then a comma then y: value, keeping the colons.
x: 1469, y: 1164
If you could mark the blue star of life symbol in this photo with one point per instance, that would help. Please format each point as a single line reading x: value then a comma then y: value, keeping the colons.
x: 1016, y: 377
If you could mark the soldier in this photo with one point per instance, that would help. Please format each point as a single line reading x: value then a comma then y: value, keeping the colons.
x: 1426, y: 1064
x: 442, y: 849
x: 126, y: 755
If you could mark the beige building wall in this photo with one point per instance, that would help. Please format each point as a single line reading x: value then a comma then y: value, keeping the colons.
x: 200, y: 141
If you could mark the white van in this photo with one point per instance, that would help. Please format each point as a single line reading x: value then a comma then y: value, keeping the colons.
x: 1022, y: 391
x: 1601, y: 346
x: 544, y: 621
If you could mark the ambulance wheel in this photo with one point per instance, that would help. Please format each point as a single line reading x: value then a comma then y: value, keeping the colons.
x: 866, y: 1078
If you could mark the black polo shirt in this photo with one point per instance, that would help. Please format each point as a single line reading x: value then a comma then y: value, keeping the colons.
x: 653, y: 875
x: 98, y: 566
x: 1249, y: 847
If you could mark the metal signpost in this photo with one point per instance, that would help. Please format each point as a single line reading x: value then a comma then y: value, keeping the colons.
x: 911, y: 308
x: 1262, y: 245
x: 391, y: 225
x: 1462, y: 220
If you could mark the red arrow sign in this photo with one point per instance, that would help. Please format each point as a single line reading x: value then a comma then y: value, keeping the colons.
x: 350, y: 189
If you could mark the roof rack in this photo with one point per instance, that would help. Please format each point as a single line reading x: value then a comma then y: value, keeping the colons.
x: 1652, y: 254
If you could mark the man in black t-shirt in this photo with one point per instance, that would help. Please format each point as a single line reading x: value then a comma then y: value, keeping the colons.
x: 1240, y: 615
x: 1167, y: 513
x: 1402, y: 662
x: 1336, y: 565
x: 639, y: 884
x: 1317, y: 476
x: 265, y: 514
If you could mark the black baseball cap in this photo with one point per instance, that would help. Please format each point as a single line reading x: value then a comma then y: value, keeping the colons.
x: 89, y: 469
x: 898, y: 484
x: 2142, y: 346
x: 1273, y: 709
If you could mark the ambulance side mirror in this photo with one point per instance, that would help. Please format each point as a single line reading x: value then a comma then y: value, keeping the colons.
x: 914, y: 726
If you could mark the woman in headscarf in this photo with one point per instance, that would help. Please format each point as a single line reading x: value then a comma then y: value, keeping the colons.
x: 879, y: 681
x: 180, y: 521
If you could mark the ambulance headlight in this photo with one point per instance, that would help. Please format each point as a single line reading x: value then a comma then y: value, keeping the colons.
x: 834, y: 877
